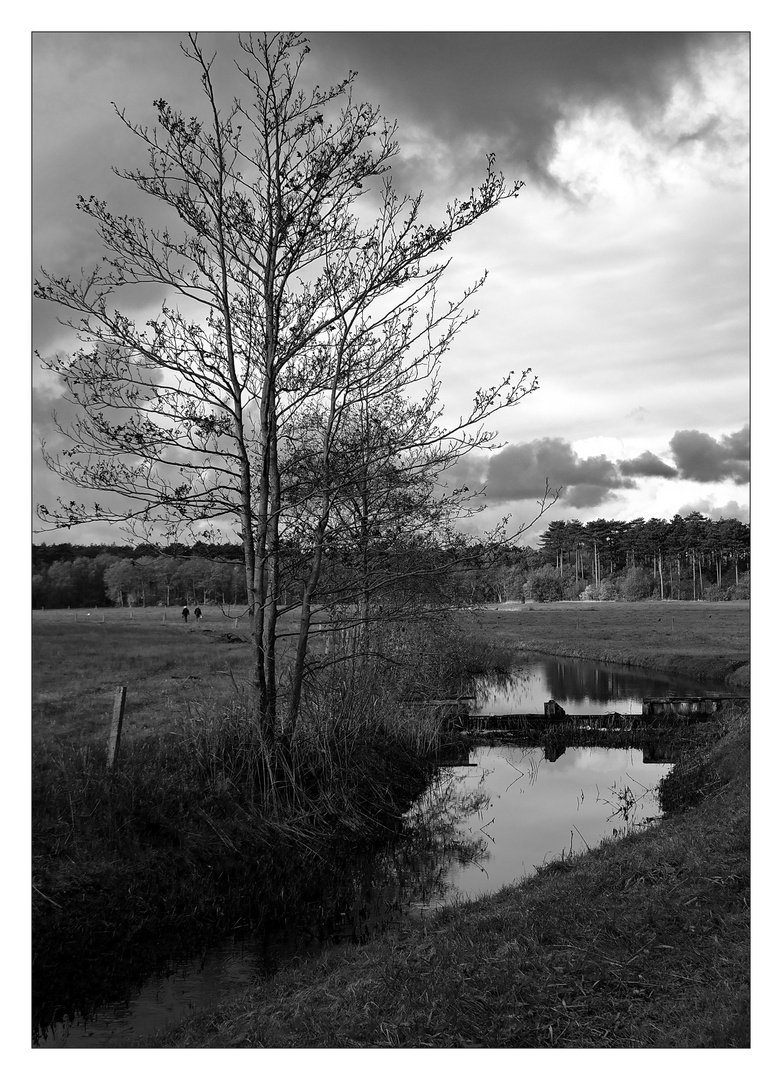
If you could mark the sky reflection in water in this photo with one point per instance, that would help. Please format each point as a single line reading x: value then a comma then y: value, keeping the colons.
x: 535, y: 810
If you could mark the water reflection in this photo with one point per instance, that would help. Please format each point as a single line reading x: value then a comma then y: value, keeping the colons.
x: 537, y: 805
x: 480, y: 825
x: 578, y: 687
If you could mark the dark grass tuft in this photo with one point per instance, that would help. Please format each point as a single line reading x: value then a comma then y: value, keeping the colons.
x: 640, y: 943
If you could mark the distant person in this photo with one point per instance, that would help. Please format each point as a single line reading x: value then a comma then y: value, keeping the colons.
x: 197, y: 614
x: 185, y: 613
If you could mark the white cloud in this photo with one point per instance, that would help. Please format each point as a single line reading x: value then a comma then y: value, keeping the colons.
x: 605, y: 155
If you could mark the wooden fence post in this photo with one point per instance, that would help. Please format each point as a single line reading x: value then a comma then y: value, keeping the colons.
x: 115, y: 731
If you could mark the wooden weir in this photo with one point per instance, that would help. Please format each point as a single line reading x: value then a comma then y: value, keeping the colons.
x: 656, y: 712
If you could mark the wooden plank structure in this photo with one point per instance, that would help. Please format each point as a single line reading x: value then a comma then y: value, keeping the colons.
x: 688, y: 705
x: 656, y: 712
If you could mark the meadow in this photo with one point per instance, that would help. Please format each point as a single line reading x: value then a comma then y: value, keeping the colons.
x: 642, y: 943
x: 173, y: 669
x: 695, y: 638
x: 169, y: 667
x: 204, y: 821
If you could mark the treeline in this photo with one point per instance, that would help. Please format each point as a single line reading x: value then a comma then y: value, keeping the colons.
x: 70, y: 575
x: 681, y: 559
x: 686, y: 558
x: 67, y: 575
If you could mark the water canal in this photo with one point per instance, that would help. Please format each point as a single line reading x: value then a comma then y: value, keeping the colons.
x: 485, y: 822
x: 579, y: 686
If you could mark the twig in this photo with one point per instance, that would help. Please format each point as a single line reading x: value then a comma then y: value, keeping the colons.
x: 579, y: 833
x: 642, y: 949
x: 47, y: 897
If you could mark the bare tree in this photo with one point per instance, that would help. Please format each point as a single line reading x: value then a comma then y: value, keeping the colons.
x: 294, y: 323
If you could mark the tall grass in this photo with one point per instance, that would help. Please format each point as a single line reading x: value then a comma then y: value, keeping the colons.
x: 205, y: 823
x: 204, y: 811
x: 641, y: 943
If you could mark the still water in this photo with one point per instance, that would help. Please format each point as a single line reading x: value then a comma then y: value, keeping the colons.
x: 579, y: 687
x: 479, y: 826
x: 513, y: 810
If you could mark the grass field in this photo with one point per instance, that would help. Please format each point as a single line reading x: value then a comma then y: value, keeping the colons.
x: 642, y: 943
x: 170, y: 667
x: 709, y: 640
x: 204, y: 822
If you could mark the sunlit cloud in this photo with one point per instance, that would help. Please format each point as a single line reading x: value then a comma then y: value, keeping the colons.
x: 731, y: 511
x: 620, y: 275
x: 611, y: 153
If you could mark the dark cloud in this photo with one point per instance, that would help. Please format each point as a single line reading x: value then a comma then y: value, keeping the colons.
x: 584, y: 496
x: 646, y: 464
x: 508, y: 91
x: 701, y: 457
x: 457, y: 96
x: 737, y: 444
x: 520, y: 472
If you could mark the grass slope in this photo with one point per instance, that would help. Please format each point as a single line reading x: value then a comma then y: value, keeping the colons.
x: 640, y: 943
x: 696, y: 639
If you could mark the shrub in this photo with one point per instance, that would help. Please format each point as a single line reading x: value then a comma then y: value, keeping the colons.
x: 571, y: 589
x: 714, y: 592
x: 740, y: 591
x: 544, y: 584
x: 636, y: 583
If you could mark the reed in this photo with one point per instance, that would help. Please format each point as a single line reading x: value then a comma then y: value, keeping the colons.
x: 639, y: 943
x: 205, y: 821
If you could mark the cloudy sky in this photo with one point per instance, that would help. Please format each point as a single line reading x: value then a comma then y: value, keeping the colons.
x: 620, y: 275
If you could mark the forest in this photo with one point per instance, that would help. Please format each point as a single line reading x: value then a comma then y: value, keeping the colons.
x: 686, y: 558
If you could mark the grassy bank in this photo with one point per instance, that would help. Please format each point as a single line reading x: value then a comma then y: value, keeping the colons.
x: 640, y: 943
x: 701, y: 640
x: 203, y: 825
x: 643, y: 942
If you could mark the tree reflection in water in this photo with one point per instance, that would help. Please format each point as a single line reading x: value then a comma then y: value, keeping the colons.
x: 434, y: 827
x: 578, y: 685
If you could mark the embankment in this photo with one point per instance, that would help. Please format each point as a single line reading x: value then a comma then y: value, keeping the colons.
x: 730, y: 672
x: 641, y: 943
x: 704, y: 641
